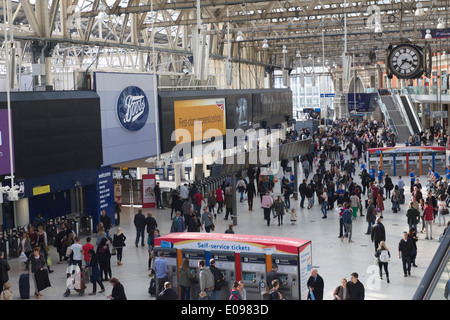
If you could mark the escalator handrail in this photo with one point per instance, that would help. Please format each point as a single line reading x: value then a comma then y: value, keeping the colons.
x: 410, y: 105
x: 435, y: 269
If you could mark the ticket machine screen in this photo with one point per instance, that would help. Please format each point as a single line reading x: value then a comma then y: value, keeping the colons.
x: 247, y: 276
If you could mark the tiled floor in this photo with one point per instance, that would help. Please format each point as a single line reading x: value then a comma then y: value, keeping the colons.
x: 333, y: 258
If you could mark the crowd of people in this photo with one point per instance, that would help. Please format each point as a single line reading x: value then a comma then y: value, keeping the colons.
x: 335, y: 177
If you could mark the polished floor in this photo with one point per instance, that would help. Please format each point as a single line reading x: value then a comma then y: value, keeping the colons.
x: 333, y: 258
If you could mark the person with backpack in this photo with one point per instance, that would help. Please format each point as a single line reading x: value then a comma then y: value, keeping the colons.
x: 383, y: 256
x: 347, y: 219
x: 219, y: 279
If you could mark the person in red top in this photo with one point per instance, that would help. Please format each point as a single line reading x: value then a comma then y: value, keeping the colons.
x: 219, y: 199
x: 198, y: 202
x: 428, y: 218
x: 88, y: 246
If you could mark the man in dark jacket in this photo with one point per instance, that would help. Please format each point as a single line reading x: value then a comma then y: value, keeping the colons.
x: 355, y: 288
x: 404, y: 248
x: 315, y: 285
x: 168, y: 293
x: 371, y: 216
x: 139, y: 223
x: 302, y: 189
x: 378, y: 233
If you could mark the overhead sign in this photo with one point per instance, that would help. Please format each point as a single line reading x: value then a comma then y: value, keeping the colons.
x: 132, y: 108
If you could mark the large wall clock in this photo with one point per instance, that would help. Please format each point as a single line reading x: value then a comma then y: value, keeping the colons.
x: 405, y: 61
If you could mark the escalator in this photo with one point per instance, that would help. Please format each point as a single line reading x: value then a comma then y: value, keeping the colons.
x: 396, y: 115
x: 435, y: 284
x: 413, y: 119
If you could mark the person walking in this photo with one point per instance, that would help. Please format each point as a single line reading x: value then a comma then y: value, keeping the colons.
x: 315, y: 286
x: 383, y: 256
x: 151, y: 226
x: 341, y: 292
x: 413, y: 216
x: 266, y: 204
x: 412, y: 234
x: 404, y: 249
x: 118, y: 244
x: 356, y: 288
x: 280, y: 209
x: 380, y: 204
x: 428, y: 217
x: 178, y: 224
x: 442, y: 206
x: 228, y: 203
x: 104, y: 259
x: 207, y: 220
x: 94, y: 272
x: 347, y: 219
x: 251, y: 192
x: 355, y: 203
x: 206, y: 280
x: 139, y: 223
x: 324, y: 196
x: 38, y: 263
x: 378, y: 233
x: 371, y: 216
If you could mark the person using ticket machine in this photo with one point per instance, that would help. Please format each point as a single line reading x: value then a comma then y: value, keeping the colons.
x: 273, y: 275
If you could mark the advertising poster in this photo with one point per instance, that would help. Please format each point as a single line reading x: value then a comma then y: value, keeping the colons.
x: 105, y: 192
x: 305, y: 270
x: 148, y: 196
x: 210, y: 112
x: 5, y: 166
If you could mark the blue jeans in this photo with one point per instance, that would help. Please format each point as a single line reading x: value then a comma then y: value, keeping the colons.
x: 287, y: 201
x: 185, y: 293
x: 395, y: 205
x: 369, y: 226
x: 140, y: 233
x: 324, y: 207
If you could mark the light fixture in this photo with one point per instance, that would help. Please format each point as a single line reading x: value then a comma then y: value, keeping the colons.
x: 378, y: 28
x: 297, y: 54
x: 265, y: 45
x: 284, y: 49
x: 419, y: 10
x: 428, y: 35
x: 441, y: 24
x: 240, y: 36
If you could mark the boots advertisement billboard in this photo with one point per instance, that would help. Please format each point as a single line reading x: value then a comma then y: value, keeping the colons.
x: 128, y: 116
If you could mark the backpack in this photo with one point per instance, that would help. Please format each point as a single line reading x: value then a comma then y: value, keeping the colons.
x: 384, y: 256
x: 219, y: 279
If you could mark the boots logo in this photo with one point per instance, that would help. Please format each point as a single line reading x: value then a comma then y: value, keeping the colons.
x: 132, y: 108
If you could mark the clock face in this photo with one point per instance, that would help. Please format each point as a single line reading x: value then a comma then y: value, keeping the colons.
x: 405, y: 61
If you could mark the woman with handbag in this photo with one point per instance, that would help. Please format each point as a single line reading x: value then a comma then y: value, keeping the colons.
x: 94, y: 273
x: 341, y: 292
x: 186, y: 279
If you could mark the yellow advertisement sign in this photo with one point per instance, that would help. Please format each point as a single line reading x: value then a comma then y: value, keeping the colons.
x: 210, y: 112
x: 41, y: 190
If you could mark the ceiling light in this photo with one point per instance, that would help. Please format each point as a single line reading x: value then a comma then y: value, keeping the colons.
x: 265, y: 45
x: 297, y: 54
x: 284, y: 50
x: 419, y: 11
x: 378, y: 28
x: 441, y: 24
x: 428, y: 35
x: 240, y: 36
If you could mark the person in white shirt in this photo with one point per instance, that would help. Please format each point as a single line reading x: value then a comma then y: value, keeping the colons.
x: 184, y: 192
x: 77, y: 250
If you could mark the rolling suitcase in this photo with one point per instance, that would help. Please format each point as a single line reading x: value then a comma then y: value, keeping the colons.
x: 152, y: 287
x: 24, y: 286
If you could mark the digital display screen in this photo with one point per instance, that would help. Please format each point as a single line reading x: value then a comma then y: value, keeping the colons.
x: 249, y: 276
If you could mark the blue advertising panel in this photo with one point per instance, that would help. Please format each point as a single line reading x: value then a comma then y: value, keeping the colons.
x: 5, y: 163
x: 105, y: 192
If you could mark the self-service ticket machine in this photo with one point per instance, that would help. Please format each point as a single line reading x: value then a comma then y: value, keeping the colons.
x: 288, y: 269
x: 253, y: 268
x: 170, y: 255
x: 194, y: 256
x: 225, y: 262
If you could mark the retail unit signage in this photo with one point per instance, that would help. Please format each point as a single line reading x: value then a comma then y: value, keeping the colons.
x: 132, y: 108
